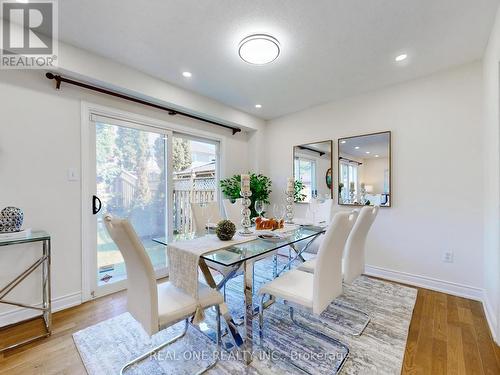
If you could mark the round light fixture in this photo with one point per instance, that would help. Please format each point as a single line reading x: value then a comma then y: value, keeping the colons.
x: 343, y: 142
x: 258, y: 105
x: 401, y: 57
x: 357, y: 147
x: 376, y: 156
x: 259, y: 49
x: 187, y: 74
x: 367, y: 152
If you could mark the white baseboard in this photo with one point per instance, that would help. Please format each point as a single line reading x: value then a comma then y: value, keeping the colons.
x: 59, y: 303
x: 491, y: 318
x: 443, y: 286
x: 448, y: 287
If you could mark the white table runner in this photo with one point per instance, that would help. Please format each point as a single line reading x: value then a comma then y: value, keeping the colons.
x: 183, y: 260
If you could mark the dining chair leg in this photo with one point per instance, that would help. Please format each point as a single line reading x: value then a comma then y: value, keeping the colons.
x: 261, y: 320
x: 219, y: 330
x: 218, y: 340
x: 156, y: 349
x: 352, y: 308
x: 321, y: 335
x: 261, y: 338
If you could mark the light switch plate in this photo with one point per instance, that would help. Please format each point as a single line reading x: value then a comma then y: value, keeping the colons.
x: 72, y: 175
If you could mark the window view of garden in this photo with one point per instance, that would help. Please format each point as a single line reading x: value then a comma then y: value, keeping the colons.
x: 131, y: 177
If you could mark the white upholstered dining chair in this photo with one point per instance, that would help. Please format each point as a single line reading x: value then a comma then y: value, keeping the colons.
x: 204, y: 212
x: 323, y: 216
x: 314, y: 292
x: 233, y: 211
x: 355, y: 249
x: 156, y: 306
x: 354, y: 255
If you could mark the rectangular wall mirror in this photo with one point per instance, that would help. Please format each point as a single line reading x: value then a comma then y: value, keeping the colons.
x: 364, y: 170
x: 312, y: 171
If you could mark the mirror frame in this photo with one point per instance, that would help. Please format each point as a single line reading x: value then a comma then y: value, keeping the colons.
x: 390, y: 167
x: 332, y: 196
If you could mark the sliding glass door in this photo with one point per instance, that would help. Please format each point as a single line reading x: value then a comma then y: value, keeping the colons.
x: 149, y: 175
x: 195, y: 177
x: 131, y: 181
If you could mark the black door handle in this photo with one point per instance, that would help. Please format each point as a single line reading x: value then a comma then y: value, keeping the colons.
x: 95, y: 208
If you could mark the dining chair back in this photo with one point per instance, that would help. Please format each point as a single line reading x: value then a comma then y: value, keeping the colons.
x: 354, y: 257
x: 202, y: 213
x: 233, y: 211
x: 142, y: 293
x: 327, y: 281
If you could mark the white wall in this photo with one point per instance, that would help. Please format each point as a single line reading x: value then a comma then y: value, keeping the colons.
x: 491, y: 191
x: 40, y: 140
x: 437, y: 172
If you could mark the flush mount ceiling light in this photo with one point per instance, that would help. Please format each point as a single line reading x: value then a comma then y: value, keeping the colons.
x: 401, y: 57
x: 259, y: 49
x: 258, y: 105
x: 187, y: 74
x: 343, y: 142
x: 357, y: 147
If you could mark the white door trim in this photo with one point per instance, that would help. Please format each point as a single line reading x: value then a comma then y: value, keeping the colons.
x: 87, y: 108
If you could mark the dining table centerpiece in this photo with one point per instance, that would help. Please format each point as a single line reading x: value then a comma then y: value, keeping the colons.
x: 260, y: 188
x: 225, y: 230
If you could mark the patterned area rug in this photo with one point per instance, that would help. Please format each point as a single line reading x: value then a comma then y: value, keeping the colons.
x: 107, y: 346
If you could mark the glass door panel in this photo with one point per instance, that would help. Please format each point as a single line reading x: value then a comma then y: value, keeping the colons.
x: 131, y: 182
x: 195, y: 177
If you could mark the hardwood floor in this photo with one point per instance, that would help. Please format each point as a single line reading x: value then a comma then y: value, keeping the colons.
x: 448, y: 335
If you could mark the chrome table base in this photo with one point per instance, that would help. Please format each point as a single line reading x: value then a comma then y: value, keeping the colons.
x: 46, y: 308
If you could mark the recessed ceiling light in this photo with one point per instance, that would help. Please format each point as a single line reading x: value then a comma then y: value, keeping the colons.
x: 343, y: 142
x: 187, y: 74
x: 376, y: 156
x: 258, y: 105
x: 259, y: 49
x: 401, y: 57
x: 367, y: 152
x: 357, y: 147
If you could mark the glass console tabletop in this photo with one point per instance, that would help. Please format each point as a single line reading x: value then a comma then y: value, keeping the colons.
x: 233, y: 255
x: 33, y: 236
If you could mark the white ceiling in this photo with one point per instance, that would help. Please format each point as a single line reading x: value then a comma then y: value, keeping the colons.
x: 330, y: 48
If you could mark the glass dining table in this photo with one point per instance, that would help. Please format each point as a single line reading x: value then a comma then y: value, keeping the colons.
x: 241, y: 257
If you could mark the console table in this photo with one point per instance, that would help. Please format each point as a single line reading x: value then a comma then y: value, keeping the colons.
x: 44, y: 263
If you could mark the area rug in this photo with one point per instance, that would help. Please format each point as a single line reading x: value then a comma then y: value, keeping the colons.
x: 107, y: 346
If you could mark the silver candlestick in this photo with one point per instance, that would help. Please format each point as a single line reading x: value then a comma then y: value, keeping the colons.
x: 289, y: 206
x: 245, y: 212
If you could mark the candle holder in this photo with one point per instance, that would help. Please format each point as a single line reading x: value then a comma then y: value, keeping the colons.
x: 289, y: 206
x: 245, y: 213
x: 351, y: 196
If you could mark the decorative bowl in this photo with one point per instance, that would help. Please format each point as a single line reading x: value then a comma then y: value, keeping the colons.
x: 11, y: 220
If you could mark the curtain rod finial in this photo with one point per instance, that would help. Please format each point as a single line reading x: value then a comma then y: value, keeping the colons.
x: 50, y: 75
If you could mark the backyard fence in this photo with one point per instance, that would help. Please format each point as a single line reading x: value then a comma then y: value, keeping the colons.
x: 186, y: 191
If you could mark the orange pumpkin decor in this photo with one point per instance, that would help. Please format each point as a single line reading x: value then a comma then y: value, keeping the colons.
x: 261, y: 223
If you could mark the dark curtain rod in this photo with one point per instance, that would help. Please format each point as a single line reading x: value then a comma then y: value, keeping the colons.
x: 350, y: 161
x: 321, y: 153
x: 101, y: 90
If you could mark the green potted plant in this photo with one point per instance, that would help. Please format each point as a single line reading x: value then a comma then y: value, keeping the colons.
x: 260, y: 186
x: 298, y: 196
